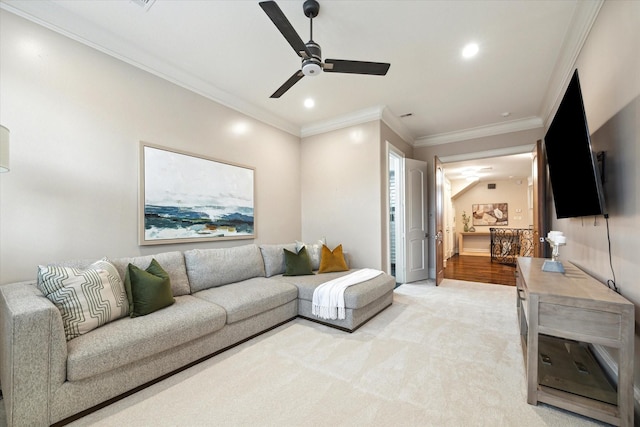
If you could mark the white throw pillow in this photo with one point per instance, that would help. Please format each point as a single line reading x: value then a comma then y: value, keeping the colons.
x: 314, y: 251
x: 86, y: 298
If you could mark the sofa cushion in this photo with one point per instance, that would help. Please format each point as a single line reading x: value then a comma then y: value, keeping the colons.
x: 356, y: 296
x: 87, y: 299
x: 250, y: 297
x: 171, y: 262
x: 332, y: 260
x: 147, y: 290
x: 208, y: 268
x: 273, y: 256
x: 128, y: 340
x: 297, y: 264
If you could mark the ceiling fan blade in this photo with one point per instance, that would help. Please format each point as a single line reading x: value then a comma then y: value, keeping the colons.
x: 287, y: 85
x: 274, y: 12
x: 356, y: 67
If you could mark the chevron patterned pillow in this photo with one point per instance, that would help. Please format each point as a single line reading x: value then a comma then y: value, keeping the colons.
x: 86, y: 298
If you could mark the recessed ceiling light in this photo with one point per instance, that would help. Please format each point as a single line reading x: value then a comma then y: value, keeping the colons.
x: 309, y: 103
x: 505, y: 114
x: 470, y: 50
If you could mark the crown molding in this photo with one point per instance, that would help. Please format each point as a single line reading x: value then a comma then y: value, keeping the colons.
x: 343, y: 121
x: 582, y: 21
x: 396, y: 125
x: 480, y: 132
x: 362, y: 116
x: 496, y: 152
x: 57, y: 19
x: 54, y: 17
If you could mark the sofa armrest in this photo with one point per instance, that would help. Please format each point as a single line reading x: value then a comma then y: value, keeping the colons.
x: 32, y: 353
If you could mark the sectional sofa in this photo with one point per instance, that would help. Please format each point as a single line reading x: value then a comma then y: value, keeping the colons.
x: 219, y: 298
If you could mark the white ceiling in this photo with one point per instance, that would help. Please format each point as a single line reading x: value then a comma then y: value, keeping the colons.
x: 231, y: 52
x: 511, y: 167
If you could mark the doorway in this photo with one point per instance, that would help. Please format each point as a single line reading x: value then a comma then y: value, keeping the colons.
x: 407, y: 251
x: 396, y: 215
x: 485, y: 164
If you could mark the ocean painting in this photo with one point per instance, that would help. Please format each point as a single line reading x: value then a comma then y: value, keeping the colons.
x: 187, y: 198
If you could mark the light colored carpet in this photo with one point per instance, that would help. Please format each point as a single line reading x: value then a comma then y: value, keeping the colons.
x: 439, y: 356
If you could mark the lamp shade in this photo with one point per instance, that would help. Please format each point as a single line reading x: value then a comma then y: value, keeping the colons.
x: 4, y: 149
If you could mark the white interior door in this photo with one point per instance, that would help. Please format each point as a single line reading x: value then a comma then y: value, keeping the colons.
x: 416, y: 220
x: 448, y: 224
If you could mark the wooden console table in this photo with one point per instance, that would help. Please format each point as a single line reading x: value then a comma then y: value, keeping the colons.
x: 579, y: 309
x: 482, y: 240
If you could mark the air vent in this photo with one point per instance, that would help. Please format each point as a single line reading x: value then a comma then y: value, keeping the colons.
x: 145, y: 4
x: 491, y: 186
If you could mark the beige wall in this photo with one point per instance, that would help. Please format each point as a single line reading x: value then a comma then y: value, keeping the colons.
x: 388, y: 135
x: 341, y: 194
x: 76, y: 118
x: 609, y: 68
x: 508, y: 191
x: 345, y: 190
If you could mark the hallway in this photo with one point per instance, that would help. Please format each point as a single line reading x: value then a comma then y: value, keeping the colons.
x: 479, y: 269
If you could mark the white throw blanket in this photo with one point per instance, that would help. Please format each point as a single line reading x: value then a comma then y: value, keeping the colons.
x: 328, y: 298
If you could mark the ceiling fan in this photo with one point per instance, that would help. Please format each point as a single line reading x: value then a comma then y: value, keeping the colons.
x: 310, y: 52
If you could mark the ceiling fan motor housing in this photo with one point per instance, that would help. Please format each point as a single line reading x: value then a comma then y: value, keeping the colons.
x: 312, y: 66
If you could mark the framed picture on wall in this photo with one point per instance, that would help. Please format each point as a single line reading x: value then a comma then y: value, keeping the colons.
x: 186, y: 197
x: 491, y: 214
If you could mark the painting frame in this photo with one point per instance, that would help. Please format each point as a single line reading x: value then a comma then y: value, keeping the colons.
x: 490, y: 214
x: 185, y: 197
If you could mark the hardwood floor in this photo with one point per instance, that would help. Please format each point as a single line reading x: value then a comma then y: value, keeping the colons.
x: 479, y: 269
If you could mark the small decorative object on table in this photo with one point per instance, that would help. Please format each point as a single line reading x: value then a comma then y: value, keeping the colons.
x: 555, y: 239
x: 465, y: 221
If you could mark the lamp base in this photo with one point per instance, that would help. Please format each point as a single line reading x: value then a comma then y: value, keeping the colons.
x: 552, y: 266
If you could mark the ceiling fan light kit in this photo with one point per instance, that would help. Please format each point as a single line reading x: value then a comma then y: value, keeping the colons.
x: 312, y: 66
x: 310, y: 52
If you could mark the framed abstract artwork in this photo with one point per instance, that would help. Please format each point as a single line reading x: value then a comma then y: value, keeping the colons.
x: 492, y: 214
x: 186, y: 197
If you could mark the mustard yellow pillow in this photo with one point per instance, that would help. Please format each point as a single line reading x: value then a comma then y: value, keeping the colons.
x: 332, y: 260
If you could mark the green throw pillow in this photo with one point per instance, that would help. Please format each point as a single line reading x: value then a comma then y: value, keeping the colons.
x: 297, y: 264
x: 148, y: 290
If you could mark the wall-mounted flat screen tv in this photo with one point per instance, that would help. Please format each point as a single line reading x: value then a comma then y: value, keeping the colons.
x: 573, y: 169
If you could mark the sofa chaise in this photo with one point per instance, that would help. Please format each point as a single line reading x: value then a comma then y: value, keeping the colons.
x: 222, y: 297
